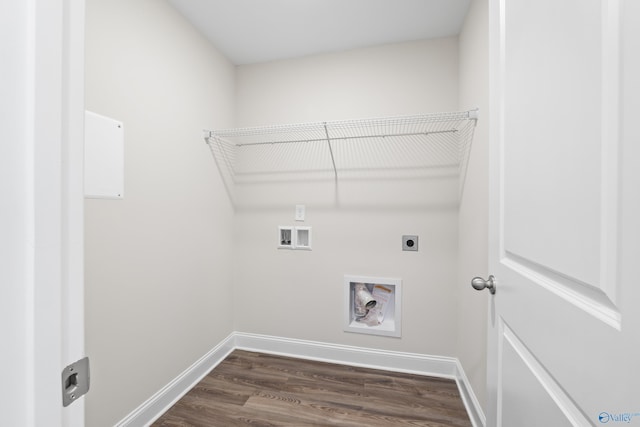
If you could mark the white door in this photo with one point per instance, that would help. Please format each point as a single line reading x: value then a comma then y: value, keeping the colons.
x: 41, y: 228
x: 564, y: 346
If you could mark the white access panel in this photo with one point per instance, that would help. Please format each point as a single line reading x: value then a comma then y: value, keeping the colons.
x: 103, y: 157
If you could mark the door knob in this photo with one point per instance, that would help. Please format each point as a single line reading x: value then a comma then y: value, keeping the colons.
x: 479, y: 284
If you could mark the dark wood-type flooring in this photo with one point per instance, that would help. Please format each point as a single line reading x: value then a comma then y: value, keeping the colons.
x: 259, y: 389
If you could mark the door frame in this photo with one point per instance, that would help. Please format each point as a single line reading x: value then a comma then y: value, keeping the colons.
x: 43, y: 331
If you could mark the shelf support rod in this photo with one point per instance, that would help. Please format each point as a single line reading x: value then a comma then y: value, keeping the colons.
x: 347, y: 138
x: 333, y: 161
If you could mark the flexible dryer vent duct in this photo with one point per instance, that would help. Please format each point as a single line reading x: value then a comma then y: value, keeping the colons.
x: 363, y: 300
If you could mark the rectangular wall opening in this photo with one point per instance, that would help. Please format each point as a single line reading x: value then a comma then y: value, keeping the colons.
x: 372, y: 305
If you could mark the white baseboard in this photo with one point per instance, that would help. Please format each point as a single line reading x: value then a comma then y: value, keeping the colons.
x: 436, y: 366
x: 347, y: 355
x: 166, y: 397
x: 476, y: 414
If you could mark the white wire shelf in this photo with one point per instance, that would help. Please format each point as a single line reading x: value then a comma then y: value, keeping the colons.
x: 427, y: 144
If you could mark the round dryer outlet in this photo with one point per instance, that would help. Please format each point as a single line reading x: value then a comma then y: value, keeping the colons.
x: 409, y: 243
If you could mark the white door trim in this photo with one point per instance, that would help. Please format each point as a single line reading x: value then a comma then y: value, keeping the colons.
x: 42, y: 210
x: 57, y: 69
x: 72, y: 316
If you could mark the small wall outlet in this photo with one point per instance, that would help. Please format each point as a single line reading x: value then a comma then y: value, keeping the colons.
x: 409, y: 243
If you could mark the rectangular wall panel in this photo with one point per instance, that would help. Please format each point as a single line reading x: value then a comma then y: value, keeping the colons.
x: 103, y: 157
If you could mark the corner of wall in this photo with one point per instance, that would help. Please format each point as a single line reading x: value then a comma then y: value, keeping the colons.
x: 473, y: 211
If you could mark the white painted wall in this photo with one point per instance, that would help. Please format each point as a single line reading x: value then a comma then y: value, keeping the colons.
x: 158, y: 275
x: 358, y: 224
x: 473, y: 216
x: 395, y: 79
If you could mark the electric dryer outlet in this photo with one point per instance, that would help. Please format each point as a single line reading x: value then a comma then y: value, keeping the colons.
x: 409, y: 243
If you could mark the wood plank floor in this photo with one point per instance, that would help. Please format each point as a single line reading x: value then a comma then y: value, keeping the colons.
x: 265, y: 390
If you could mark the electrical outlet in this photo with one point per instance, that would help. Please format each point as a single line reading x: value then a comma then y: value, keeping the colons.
x: 409, y: 243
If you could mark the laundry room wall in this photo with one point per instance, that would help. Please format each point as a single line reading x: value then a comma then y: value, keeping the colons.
x: 357, y: 224
x: 158, y: 275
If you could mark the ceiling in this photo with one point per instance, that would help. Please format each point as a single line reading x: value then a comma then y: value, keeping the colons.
x: 252, y: 31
